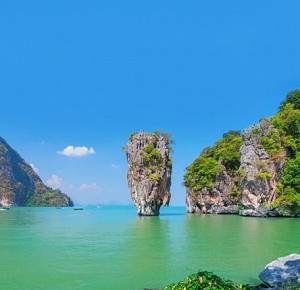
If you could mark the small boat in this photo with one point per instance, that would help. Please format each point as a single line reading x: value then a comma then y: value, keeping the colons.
x: 4, y: 208
x: 77, y: 208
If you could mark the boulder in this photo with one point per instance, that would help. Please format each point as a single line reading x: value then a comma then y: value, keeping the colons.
x: 230, y: 209
x: 283, y: 273
x: 260, y: 212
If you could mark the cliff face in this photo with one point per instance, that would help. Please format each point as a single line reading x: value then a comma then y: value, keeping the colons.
x: 21, y: 186
x: 261, y: 171
x: 149, y: 171
x: 249, y: 188
x: 216, y: 200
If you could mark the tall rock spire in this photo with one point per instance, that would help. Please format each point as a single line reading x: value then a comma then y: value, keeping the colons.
x: 149, y: 171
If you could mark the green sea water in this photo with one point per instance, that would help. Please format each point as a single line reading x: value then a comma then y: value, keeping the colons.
x: 110, y: 247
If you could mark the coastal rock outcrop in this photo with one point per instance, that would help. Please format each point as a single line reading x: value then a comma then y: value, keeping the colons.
x: 21, y: 186
x: 215, y: 200
x: 211, y: 182
x: 255, y: 173
x: 283, y: 273
x: 250, y: 189
x: 149, y: 171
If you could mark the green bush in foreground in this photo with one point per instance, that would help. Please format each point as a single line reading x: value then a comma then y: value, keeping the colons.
x: 206, y: 280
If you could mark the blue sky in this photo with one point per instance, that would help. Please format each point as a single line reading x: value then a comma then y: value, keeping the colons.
x: 87, y: 73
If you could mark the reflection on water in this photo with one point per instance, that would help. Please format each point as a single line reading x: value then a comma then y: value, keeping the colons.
x: 173, y: 214
x: 147, y: 248
x: 113, y: 248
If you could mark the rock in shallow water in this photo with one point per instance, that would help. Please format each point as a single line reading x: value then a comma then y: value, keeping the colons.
x: 230, y: 209
x: 149, y: 171
x: 283, y: 272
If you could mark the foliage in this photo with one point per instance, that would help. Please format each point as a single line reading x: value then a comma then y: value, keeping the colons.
x: 286, y: 134
x: 153, y: 177
x: 166, y: 136
x: 236, y: 189
x: 256, y: 132
x: 227, y: 150
x: 261, y: 165
x: 242, y: 174
x: 49, y: 198
x: 132, y: 135
x: 287, y: 120
x: 232, y: 133
x: 293, y: 97
x: 202, y: 172
x: 287, y: 123
x: 263, y: 174
x: 291, y: 174
x: 271, y: 143
x: 240, y: 206
x: 290, y: 200
x: 151, y: 156
x: 289, y: 186
x: 205, y: 280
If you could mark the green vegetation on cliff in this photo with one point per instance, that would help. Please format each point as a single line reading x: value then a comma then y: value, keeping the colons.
x: 286, y: 140
x: 46, y: 196
x: 223, y: 155
x: 151, y: 156
x: 282, y: 143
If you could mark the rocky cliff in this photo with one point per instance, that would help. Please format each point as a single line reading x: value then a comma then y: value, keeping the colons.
x: 250, y: 187
x: 255, y: 174
x: 21, y: 186
x: 212, y: 179
x: 149, y: 171
x: 261, y: 170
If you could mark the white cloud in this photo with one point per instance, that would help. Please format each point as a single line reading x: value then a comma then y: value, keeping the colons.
x: 77, y: 151
x: 54, y: 182
x: 92, y: 186
x: 67, y: 186
x: 35, y: 169
x: 115, y: 166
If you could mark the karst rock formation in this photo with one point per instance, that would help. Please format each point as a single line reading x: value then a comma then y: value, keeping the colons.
x: 149, y: 171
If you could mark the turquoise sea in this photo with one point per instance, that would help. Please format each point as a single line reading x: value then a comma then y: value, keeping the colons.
x: 110, y: 247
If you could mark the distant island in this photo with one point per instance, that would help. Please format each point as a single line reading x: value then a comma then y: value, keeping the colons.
x: 253, y: 173
x: 21, y: 186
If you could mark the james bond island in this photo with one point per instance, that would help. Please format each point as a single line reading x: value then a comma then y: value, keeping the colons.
x: 149, y: 171
x: 253, y: 173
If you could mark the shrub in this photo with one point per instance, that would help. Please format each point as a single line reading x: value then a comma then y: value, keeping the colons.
x: 202, y: 172
x: 205, y: 280
x: 293, y: 98
x: 289, y: 200
x: 263, y: 175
